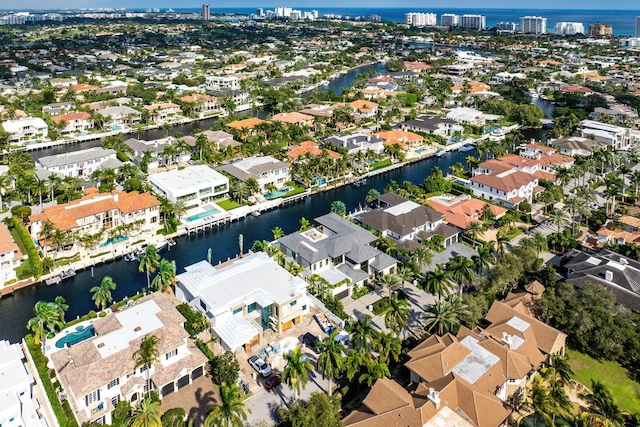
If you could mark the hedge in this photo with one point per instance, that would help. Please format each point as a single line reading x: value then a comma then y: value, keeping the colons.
x: 63, y: 412
x: 32, y: 251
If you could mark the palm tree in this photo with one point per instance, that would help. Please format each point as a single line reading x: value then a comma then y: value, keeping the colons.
x: 539, y: 242
x: 390, y: 282
x: 147, y: 355
x: 166, y: 276
x: 422, y: 256
x: 502, y: 242
x: 304, y: 224
x: 331, y: 360
x: 541, y: 402
x: 296, y: 373
x: 338, y: 207
x: 559, y: 218
x: 363, y: 334
x: 485, y: 257
x: 372, y: 196
x: 397, y: 315
x: 561, y: 366
x: 102, y: 293
x: 277, y: 233
x: 602, y: 402
x: 149, y: 261
x: 461, y: 270
x: 441, y: 317
x: 375, y: 369
x: 437, y: 281
x: 559, y: 398
x: 146, y: 414
x: 46, y: 319
x: 405, y: 274
x: 474, y: 228
x: 388, y: 346
x: 231, y: 412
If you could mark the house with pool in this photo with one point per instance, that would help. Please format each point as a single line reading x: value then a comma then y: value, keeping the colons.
x: 266, y: 170
x: 244, y: 297
x: 96, y: 366
x: 195, y: 185
x: 340, y: 252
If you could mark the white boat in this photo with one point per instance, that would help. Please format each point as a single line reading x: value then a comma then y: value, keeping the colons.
x: 256, y: 213
x: 465, y: 148
x: 439, y: 153
x: 171, y: 242
x: 162, y: 245
x: 497, y: 135
x: 533, y: 93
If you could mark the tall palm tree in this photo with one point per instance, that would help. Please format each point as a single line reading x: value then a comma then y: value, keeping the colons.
x: 331, y: 360
x: 363, y: 334
x: 374, y: 370
x: 539, y: 242
x: 102, y: 293
x: 388, y: 346
x: 372, y: 196
x: 405, y: 274
x: 46, y: 319
x: 422, y: 256
x: 473, y: 230
x: 461, y: 270
x: 442, y: 317
x: 277, y: 233
x: 559, y: 398
x: 502, y: 242
x: 231, y: 412
x: 559, y: 218
x: 485, y: 258
x: 147, y: 355
x: 397, y: 315
x: 437, y: 282
x: 541, y: 402
x: 296, y: 373
x: 146, y: 414
x: 389, y: 281
x: 165, y: 278
x: 149, y: 261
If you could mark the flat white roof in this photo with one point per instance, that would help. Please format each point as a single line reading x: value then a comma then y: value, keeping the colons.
x: 188, y: 180
x: 477, y: 363
x: 136, y: 322
x: 402, y: 208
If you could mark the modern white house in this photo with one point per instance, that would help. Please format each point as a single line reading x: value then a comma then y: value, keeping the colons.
x: 618, y: 138
x: 264, y: 169
x: 121, y: 115
x: 467, y: 115
x: 80, y: 163
x: 100, y: 371
x: 222, y: 82
x: 24, y: 130
x: 163, y: 151
x: 244, y: 297
x: 10, y: 255
x: 193, y: 185
x: 340, y: 252
x: 434, y: 125
x: 18, y: 405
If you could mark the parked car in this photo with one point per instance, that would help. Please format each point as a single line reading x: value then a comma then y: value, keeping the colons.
x: 310, y: 341
x: 260, y: 366
x: 272, y: 382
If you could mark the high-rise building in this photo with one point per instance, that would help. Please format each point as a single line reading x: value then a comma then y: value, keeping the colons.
x: 473, y: 22
x: 506, y: 27
x: 420, y: 19
x: 259, y: 12
x: 637, y: 26
x: 533, y: 25
x: 568, y: 28
x: 449, y: 20
x: 206, y: 12
x: 600, y: 30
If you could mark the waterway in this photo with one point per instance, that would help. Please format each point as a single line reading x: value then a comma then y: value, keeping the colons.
x: 16, y: 310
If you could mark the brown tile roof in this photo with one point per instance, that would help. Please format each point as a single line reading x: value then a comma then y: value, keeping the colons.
x: 196, y: 97
x: 507, y: 182
x: 386, y: 395
x: 463, y: 212
x: 293, y: 118
x: 295, y: 151
x: 83, y: 87
x: 245, y: 124
x: 535, y: 288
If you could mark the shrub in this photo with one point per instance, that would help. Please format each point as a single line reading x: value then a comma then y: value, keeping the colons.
x: 21, y: 212
x: 204, y: 348
x: 34, y: 258
x: 224, y: 369
x: 335, y: 306
x: 195, y: 322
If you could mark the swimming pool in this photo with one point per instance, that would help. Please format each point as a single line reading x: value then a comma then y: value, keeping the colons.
x: 422, y: 150
x: 208, y: 211
x: 320, y: 181
x: 111, y: 240
x: 276, y: 194
x: 81, y: 333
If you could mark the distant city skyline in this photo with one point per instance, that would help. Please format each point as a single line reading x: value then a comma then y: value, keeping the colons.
x: 372, y: 4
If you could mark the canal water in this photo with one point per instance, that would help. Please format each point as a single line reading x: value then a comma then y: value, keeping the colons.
x: 16, y: 310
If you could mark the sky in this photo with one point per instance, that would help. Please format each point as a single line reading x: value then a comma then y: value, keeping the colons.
x: 409, y: 4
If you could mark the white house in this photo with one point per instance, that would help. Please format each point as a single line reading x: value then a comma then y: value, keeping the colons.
x: 509, y: 188
x: 222, y: 82
x: 434, y: 125
x: 193, y: 185
x: 18, y: 405
x: 616, y: 137
x: 79, y: 163
x: 265, y: 169
x: 23, y: 130
x: 10, y: 255
x: 243, y: 299
x: 101, y: 371
x: 121, y: 115
x: 467, y: 115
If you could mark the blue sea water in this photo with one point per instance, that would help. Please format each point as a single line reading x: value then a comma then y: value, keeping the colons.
x: 622, y: 21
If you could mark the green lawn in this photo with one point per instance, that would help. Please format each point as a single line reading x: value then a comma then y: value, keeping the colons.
x: 625, y: 391
x: 228, y: 204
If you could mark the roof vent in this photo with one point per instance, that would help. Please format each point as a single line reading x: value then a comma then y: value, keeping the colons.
x: 608, y: 276
x: 434, y: 396
x: 507, y: 339
x: 101, y: 345
x: 137, y: 329
x: 623, y: 261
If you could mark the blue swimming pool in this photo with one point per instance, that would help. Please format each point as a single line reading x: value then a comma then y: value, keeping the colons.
x: 276, y: 194
x: 208, y: 211
x: 81, y: 333
x: 113, y: 240
x: 320, y: 181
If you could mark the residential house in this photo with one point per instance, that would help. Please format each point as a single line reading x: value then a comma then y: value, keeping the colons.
x: 58, y: 108
x: 163, y: 151
x: 318, y: 110
x: 433, y: 125
x: 22, y: 131
x: 71, y: 123
x: 194, y: 185
x: 18, y: 392
x: 265, y: 169
x: 238, y: 96
x: 340, y: 252
x: 463, y: 209
x: 244, y: 298
x: 618, y: 138
x: 576, y: 146
x: 99, y: 372
x: 95, y: 212
x: 407, y: 223
x: 309, y: 148
x: 293, y: 118
x: 222, y: 82
x: 80, y: 163
x: 358, y: 142
x: 509, y: 188
x: 402, y: 138
x: 10, y: 256
x: 605, y: 268
x: 245, y: 125
x: 363, y: 109
x: 159, y: 113
x: 467, y: 115
x: 121, y: 115
x: 203, y: 105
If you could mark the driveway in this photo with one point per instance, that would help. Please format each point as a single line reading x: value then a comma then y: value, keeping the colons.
x: 450, y: 253
x: 195, y: 399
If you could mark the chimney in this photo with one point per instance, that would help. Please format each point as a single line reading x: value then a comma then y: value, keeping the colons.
x: 507, y: 340
x: 434, y: 396
x: 608, y: 276
x: 623, y: 261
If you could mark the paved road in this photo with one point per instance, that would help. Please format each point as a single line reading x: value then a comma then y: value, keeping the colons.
x: 265, y: 404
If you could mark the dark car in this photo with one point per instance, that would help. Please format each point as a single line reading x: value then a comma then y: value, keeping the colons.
x: 311, y: 341
x: 272, y: 382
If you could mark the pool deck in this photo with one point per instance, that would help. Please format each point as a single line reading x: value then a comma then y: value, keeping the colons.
x: 50, y: 343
